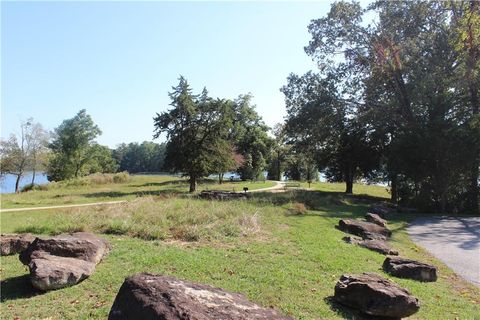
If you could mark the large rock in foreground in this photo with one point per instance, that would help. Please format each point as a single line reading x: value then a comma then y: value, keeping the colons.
x: 14, y: 243
x: 148, y: 296
x: 410, y: 269
x: 366, y: 230
x: 375, y: 218
x: 64, y: 260
x: 379, y: 246
x: 375, y: 296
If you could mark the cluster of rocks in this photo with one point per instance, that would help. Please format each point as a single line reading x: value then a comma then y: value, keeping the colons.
x: 222, y: 195
x: 372, y: 294
x: 65, y: 260
x: 57, y: 262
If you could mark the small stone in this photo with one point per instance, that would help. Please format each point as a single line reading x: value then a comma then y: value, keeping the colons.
x: 149, y: 296
x: 375, y: 296
x: 410, y: 269
x: 375, y: 218
x: 374, y: 245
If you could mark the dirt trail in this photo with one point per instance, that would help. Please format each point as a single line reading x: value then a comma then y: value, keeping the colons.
x: 278, y: 186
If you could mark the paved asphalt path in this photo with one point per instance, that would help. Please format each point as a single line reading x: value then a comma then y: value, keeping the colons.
x: 455, y: 241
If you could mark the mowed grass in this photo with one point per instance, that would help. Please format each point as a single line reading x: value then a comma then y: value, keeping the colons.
x: 272, y: 252
x: 138, y: 186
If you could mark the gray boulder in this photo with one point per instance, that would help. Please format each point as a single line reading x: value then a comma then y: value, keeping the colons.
x: 64, y: 260
x: 14, y: 243
x: 149, y: 296
x: 375, y: 218
x: 410, y: 269
x: 364, y: 229
x: 49, y: 272
x: 375, y: 296
x: 379, y: 246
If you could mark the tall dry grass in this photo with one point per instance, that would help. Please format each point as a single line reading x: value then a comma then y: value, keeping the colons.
x: 166, y: 218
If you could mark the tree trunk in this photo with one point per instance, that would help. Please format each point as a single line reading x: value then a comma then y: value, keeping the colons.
x: 394, y: 188
x: 193, y: 184
x: 33, y: 176
x: 278, y: 167
x: 17, y: 183
x: 220, y: 178
x: 349, y: 183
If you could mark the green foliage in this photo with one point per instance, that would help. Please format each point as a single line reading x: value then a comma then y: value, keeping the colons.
x: 101, y: 160
x: 250, y: 136
x: 33, y: 187
x: 74, y: 152
x: 397, y: 100
x: 206, y: 135
x: 26, y: 151
x: 325, y: 132
x: 145, y: 157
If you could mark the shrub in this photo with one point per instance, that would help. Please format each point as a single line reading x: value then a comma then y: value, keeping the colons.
x: 108, y: 178
x: 298, y: 208
x: 121, y: 177
x: 100, y: 178
x: 79, y: 182
x: 32, y: 187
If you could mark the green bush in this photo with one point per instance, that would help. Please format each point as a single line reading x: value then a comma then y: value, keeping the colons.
x: 33, y: 187
x: 79, y: 182
x: 121, y: 177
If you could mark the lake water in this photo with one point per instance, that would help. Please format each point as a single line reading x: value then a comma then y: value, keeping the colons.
x: 7, y: 182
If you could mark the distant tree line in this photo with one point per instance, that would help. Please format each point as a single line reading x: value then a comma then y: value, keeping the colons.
x: 71, y: 151
x: 25, y: 151
x: 140, y: 157
x: 396, y: 100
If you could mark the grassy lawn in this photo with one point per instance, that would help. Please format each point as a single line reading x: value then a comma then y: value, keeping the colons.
x: 137, y: 186
x: 265, y: 248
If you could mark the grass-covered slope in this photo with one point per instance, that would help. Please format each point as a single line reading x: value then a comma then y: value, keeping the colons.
x: 94, y: 189
x: 268, y: 248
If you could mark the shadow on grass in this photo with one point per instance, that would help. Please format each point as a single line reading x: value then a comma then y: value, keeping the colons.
x: 349, y: 313
x: 331, y: 204
x: 335, y: 204
x: 178, y: 182
x: 161, y: 184
x: 18, y: 288
x: 119, y: 194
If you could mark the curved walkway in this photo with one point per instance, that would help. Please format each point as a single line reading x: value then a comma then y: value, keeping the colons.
x: 278, y: 186
x: 63, y: 206
x: 454, y: 241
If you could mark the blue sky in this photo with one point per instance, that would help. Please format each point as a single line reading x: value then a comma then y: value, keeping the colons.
x: 119, y: 60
